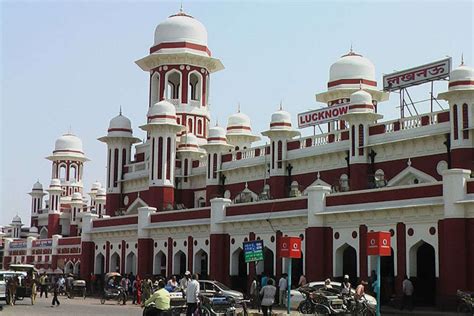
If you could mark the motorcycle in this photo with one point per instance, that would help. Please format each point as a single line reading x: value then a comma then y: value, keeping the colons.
x: 321, y: 301
x: 113, y: 292
x: 465, y: 302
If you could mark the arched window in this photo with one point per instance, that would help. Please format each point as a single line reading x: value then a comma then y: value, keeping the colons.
x: 62, y: 172
x: 280, y: 154
x: 173, y: 85
x: 186, y: 170
x: 73, y: 173
x: 214, y: 166
x: 195, y: 86
x: 199, y: 129
x: 455, y: 121
x: 465, y: 122
x: 160, y: 158
x: 168, y: 158
x: 353, y: 140
x: 116, y: 153
x: 361, y: 139
x: 154, y: 88
x: 190, y: 125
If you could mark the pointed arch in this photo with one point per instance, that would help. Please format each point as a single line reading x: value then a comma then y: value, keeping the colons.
x: 155, y: 88
x: 77, y: 268
x: 43, y: 233
x: 133, y: 208
x: 159, y: 266
x: 267, y: 265
x: 99, y: 264
x: 179, y: 263
x: 238, y: 265
x: 422, y: 264
x: 69, y: 267
x: 201, y: 263
x: 131, y: 263
x: 114, y: 262
x: 346, y: 261
x: 173, y: 85
x: 195, y: 86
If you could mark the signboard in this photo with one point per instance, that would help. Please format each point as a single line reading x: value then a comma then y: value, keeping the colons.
x: 253, y: 250
x: 40, y: 243
x: 378, y: 244
x: 323, y: 115
x: 17, y: 244
x: 290, y: 247
x: 417, y: 75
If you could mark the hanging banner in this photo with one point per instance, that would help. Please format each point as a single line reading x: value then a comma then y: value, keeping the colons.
x: 410, y: 77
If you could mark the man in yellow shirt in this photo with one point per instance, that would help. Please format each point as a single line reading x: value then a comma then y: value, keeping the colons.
x: 159, y: 303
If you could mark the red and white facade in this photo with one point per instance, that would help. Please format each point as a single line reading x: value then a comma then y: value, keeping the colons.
x: 192, y: 194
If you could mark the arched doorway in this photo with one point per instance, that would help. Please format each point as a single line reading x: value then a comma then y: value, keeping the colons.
x: 115, y: 262
x: 43, y: 233
x: 179, y: 263
x: 423, y: 272
x: 238, y: 275
x: 201, y: 263
x: 77, y: 268
x: 296, y: 270
x: 267, y: 265
x: 99, y: 264
x: 160, y: 264
x: 346, y: 262
x: 131, y: 263
x: 387, y: 271
x: 69, y: 267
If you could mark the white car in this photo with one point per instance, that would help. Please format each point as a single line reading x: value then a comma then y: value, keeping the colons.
x: 296, y: 297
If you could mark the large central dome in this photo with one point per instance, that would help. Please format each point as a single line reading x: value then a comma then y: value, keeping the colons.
x: 352, y: 66
x: 181, y: 28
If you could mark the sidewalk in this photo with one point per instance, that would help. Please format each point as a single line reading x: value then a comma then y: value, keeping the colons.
x: 386, y: 310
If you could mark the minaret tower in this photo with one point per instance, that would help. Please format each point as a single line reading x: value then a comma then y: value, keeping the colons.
x: 37, y: 194
x: 54, y: 211
x: 119, y: 142
x: 68, y: 163
x: 180, y: 65
x: 162, y: 129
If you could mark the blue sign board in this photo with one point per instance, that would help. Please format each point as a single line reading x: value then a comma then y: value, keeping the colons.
x: 253, y: 250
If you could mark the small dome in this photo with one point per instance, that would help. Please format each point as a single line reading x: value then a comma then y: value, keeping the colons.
x: 34, y: 230
x: 238, y: 123
x: 37, y: 186
x: 95, y: 186
x: 280, y: 120
x: 216, y: 136
x: 120, y: 126
x: 188, y: 142
x: 181, y: 28
x: 351, y: 66
x: 101, y: 192
x: 77, y: 196
x: 361, y: 97
x: 461, y: 78
x: 16, y: 220
x: 68, y: 143
x: 55, y: 183
x: 162, y: 112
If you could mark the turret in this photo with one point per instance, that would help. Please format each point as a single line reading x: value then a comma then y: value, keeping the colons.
x: 280, y: 132
x: 54, y: 211
x: 37, y: 194
x: 76, y: 208
x: 16, y: 227
x: 100, y: 201
x: 179, y: 65
x: 459, y: 96
x: 162, y: 129
x: 119, y: 142
x: 239, y: 131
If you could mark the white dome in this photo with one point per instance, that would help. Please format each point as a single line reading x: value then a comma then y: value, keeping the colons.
x: 120, y: 122
x: 34, y: 229
x: 361, y: 97
x: 77, y: 196
x: 162, y: 112
x: 352, y: 66
x: 55, y: 183
x: 216, y: 135
x: 461, y: 78
x: 37, y: 186
x: 95, y: 186
x: 188, y: 141
x: 68, y: 143
x: 181, y: 28
x: 16, y: 220
x: 238, y: 123
x: 101, y: 192
x: 280, y: 120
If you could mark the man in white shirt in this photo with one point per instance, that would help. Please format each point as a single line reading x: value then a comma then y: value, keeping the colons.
x: 408, y: 290
x: 192, y: 295
x: 183, y: 283
x: 282, y: 285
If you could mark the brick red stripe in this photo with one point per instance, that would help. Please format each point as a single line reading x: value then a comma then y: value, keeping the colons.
x: 163, y: 116
x: 351, y: 81
x: 68, y: 151
x: 361, y: 106
x: 217, y: 138
x: 119, y: 130
x: 239, y: 127
x: 280, y: 124
x: 461, y: 83
x: 188, y: 145
x: 198, y: 47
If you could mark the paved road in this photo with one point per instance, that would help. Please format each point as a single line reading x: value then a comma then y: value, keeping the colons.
x: 70, y: 307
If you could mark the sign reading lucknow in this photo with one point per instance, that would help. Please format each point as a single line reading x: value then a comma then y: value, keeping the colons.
x: 253, y: 250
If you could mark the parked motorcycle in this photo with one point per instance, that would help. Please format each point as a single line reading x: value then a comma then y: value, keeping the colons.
x: 113, y: 292
x: 321, y: 301
x: 465, y: 302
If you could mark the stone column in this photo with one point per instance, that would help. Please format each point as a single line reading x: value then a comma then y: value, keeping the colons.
x: 87, y: 246
x: 145, y: 243
x: 220, y: 242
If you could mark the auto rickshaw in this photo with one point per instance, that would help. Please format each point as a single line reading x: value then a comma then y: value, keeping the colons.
x: 112, y: 289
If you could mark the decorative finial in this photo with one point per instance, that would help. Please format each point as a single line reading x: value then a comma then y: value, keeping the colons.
x: 246, y: 185
x: 181, y: 7
x: 120, y: 111
x: 319, y: 175
x: 360, y: 85
x: 409, y: 162
x: 351, y: 50
x: 462, y: 59
x: 69, y: 131
x: 281, y: 105
x: 217, y: 121
x: 238, y: 107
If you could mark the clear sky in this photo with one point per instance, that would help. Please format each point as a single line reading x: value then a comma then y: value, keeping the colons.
x: 71, y: 64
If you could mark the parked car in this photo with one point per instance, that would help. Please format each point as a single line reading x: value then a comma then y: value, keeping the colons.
x: 296, y: 297
x: 213, y: 288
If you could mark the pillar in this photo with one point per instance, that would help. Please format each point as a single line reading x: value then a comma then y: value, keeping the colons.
x: 401, y: 257
x: 220, y: 242
x: 145, y: 243
x: 87, y: 246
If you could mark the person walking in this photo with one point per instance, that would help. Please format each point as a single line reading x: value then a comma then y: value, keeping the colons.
x: 254, y: 295
x: 159, y: 303
x: 192, y: 295
x: 282, y: 286
x: 56, y: 289
x: 268, y: 297
x: 408, y: 289
x: 183, y: 283
x: 346, y: 286
x: 44, y: 285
